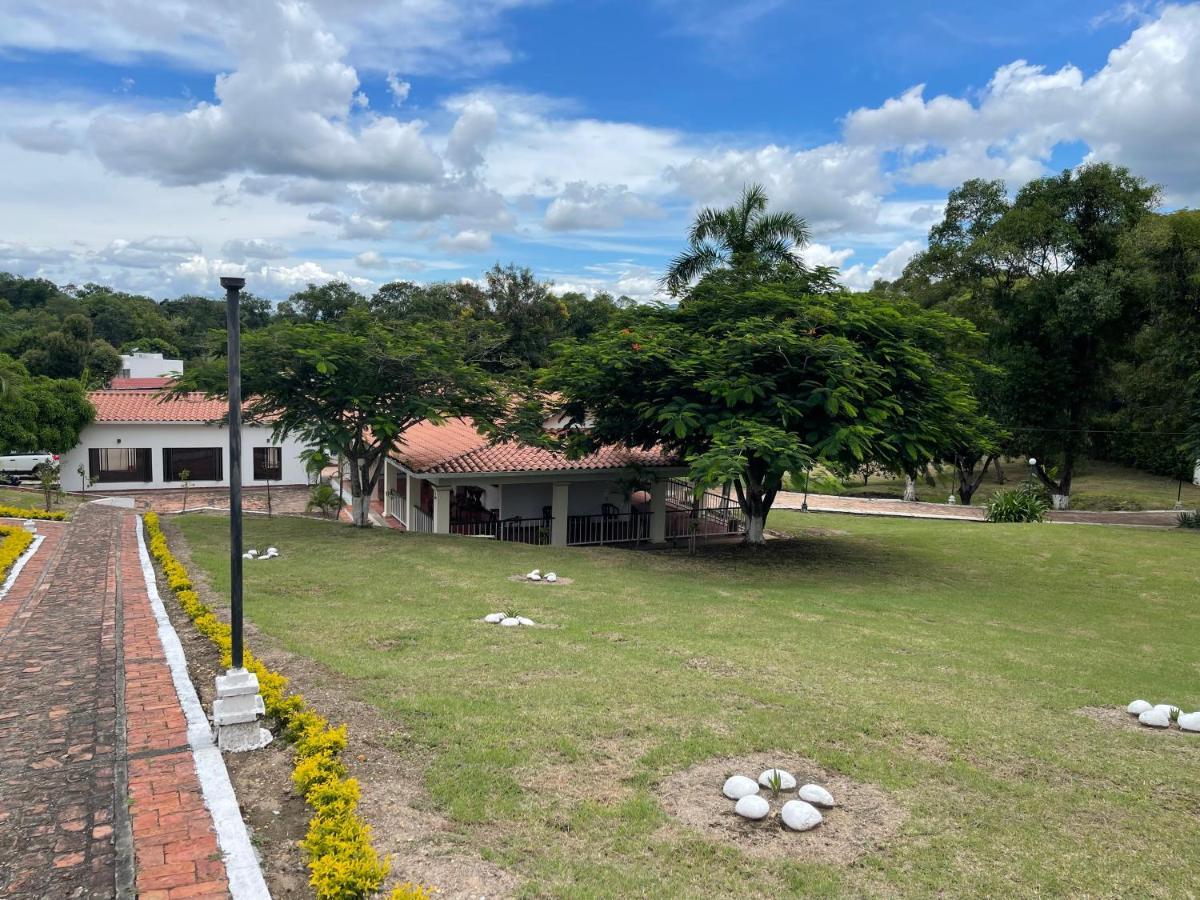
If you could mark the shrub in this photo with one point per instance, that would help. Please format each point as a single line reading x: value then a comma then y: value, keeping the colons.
x: 1020, y: 504
x: 342, y: 863
x: 19, y: 512
x: 1189, y: 519
x: 14, y: 540
x: 324, y: 499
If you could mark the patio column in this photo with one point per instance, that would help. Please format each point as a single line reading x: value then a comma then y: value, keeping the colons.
x: 413, y: 495
x: 441, y: 511
x: 658, y: 511
x: 558, y: 528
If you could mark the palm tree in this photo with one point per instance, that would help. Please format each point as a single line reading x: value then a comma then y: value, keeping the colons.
x: 741, y: 236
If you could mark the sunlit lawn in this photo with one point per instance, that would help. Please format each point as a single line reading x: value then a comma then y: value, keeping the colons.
x: 939, y: 661
x: 30, y: 499
x: 1097, y: 485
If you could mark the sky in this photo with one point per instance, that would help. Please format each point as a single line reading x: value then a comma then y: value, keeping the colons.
x: 158, y: 144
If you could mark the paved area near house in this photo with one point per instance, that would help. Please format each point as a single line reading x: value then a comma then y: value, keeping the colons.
x: 870, y: 506
x: 98, y: 792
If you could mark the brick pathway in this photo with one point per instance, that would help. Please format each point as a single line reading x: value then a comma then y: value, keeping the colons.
x: 93, y: 745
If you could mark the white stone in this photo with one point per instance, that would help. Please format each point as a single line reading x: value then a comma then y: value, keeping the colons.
x: 752, y: 806
x: 816, y: 795
x: 524, y: 621
x: 1137, y: 707
x: 510, y: 621
x: 1156, y: 718
x: 251, y: 553
x: 495, y: 618
x: 30, y: 525
x: 551, y: 577
x: 1167, y: 708
x: 247, y: 556
x: 273, y: 551
x: 787, y: 781
x: 800, y: 816
x: 534, y: 576
x: 1190, y: 721
x: 739, y: 786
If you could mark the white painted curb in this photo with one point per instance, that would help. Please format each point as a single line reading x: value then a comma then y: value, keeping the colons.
x: 241, y: 865
x: 20, y: 564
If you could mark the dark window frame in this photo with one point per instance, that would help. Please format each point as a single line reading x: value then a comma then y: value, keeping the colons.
x: 141, y: 470
x: 261, y: 465
x: 176, y: 459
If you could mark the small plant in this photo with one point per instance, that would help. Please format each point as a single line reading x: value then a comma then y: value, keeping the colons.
x: 325, y: 499
x: 48, y: 481
x: 775, y: 782
x: 1020, y: 504
x: 185, y: 476
x: 1189, y: 519
x: 85, y: 480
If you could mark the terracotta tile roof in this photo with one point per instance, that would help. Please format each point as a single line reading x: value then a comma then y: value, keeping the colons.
x: 455, y: 447
x: 140, y: 384
x: 149, y: 406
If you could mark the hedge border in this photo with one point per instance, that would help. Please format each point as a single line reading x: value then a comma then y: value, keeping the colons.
x: 14, y: 540
x: 343, y: 864
x: 18, y: 512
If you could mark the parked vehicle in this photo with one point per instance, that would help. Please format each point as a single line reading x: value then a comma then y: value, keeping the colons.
x: 28, y: 464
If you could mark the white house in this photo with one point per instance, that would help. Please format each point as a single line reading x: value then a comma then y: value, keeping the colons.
x: 141, y: 440
x: 448, y: 479
x: 148, y: 365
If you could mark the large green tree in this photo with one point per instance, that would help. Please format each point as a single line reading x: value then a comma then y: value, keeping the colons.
x: 40, y: 413
x: 743, y: 237
x: 355, y: 385
x: 749, y: 380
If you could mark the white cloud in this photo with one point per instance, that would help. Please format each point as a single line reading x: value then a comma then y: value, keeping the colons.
x: 149, y: 253
x: 371, y: 259
x: 46, y: 137
x: 859, y: 277
x: 253, y: 248
x: 398, y: 89
x: 596, y: 206
x: 469, y: 240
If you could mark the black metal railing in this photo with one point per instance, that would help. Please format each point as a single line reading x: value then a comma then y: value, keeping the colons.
x: 709, y: 515
x: 608, y: 528
x: 515, y: 529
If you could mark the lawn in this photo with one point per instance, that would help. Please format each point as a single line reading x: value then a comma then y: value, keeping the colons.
x: 943, y: 663
x: 32, y: 499
x: 1097, y: 485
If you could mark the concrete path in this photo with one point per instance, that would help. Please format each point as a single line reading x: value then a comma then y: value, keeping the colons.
x: 98, y: 791
x: 869, y: 506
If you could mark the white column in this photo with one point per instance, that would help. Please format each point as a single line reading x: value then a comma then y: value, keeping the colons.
x: 658, y: 511
x: 414, y: 500
x: 441, y: 511
x: 558, y: 528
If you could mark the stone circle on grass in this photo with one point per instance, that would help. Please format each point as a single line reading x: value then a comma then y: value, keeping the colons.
x: 506, y: 620
x: 1161, y: 715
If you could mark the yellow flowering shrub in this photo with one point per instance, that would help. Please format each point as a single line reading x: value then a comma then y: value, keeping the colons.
x: 19, y: 512
x: 343, y: 865
x: 14, y: 540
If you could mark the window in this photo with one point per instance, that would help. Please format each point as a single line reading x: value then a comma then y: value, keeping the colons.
x: 202, y: 463
x: 110, y: 464
x: 268, y: 463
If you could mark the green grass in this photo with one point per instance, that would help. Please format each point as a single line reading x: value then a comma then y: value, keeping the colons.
x: 1097, y: 485
x: 34, y: 500
x: 942, y: 662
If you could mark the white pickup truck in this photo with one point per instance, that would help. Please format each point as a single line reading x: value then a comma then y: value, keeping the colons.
x: 26, y: 464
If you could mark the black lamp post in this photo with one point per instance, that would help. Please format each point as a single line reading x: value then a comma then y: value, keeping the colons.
x: 233, y: 323
x: 804, y: 505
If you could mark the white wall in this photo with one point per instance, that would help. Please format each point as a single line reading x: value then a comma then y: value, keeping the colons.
x: 525, y: 500
x: 150, y: 365
x: 160, y: 435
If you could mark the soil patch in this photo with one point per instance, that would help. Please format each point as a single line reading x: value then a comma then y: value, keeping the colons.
x: 864, y: 819
x: 523, y: 580
x: 1116, y: 717
x: 425, y: 847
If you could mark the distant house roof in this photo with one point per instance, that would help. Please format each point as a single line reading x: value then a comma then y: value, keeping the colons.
x: 151, y: 406
x: 140, y: 384
x: 455, y: 447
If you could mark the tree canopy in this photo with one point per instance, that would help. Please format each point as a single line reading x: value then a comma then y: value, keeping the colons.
x: 40, y: 413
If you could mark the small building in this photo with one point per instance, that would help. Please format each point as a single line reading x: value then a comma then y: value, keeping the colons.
x: 149, y: 365
x: 141, y: 439
x: 449, y: 479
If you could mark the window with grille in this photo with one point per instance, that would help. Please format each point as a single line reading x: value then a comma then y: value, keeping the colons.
x: 201, y: 463
x: 112, y: 464
x: 268, y: 463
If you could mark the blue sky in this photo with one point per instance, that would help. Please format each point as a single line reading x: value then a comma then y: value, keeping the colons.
x: 157, y: 146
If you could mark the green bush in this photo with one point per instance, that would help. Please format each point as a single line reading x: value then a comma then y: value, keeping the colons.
x: 1021, y: 504
x: 1189, y: 519
x: 820, y: 481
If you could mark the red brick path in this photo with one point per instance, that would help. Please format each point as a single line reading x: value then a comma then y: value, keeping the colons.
x: 76, y: 634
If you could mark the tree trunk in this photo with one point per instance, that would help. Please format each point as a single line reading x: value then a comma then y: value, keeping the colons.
x: 1001, y: 478
x: 360, y: 508
x: 755, y: 526
x: 910, y: 488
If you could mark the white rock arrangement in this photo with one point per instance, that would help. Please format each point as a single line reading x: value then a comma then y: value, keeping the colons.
x: 271, y: 553
x: 503, y: 618
x: 798, y: 815
x: 536, y: 575
x: 1161, y: 715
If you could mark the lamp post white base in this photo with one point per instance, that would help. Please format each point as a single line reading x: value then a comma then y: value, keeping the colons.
x: 236, y: 712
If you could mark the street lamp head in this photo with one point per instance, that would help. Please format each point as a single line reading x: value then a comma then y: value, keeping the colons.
x: 231, y: 281
x: 1032, y: 461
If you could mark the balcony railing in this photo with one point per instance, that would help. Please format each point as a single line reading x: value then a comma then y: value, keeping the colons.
x: 608, y: 528
x: 419, y: 521
x: 515, y: 529
x: 710, y: 515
